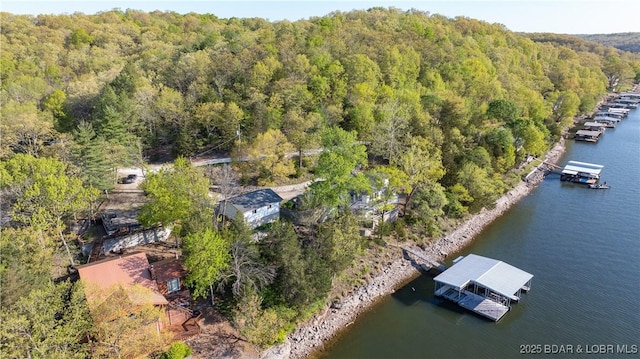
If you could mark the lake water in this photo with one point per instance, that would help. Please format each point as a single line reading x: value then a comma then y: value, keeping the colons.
x: 581, y: 245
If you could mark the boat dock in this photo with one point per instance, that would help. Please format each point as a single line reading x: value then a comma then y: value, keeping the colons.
x: 581, y: 172
x: 477, y: 304
x: 482, y: 285
x: 587, y: 135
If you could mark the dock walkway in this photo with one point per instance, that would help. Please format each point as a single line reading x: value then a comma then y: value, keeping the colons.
x: 476, y: 303
x: 428, y: 262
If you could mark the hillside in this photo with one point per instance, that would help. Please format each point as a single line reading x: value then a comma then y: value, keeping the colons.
x: 626, y: 41
x: 378, y: 104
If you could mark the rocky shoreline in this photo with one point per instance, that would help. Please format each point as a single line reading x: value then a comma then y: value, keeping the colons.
x: 312, y: 336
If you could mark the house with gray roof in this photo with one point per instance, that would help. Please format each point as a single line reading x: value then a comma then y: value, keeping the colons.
x: 256, y: 208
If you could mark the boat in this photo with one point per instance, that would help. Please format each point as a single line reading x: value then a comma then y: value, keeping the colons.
x: 599, y: 186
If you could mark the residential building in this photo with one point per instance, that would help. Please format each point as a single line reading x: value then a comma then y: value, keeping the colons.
x: 255, y: 208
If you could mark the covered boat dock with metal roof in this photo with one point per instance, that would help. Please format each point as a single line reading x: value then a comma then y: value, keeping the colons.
x: 483, y: 285
x: 581, y: 172
x: 587, y: 135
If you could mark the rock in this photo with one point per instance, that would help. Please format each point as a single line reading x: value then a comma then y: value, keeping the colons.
x: 282, y: 351
x: 344, y: 311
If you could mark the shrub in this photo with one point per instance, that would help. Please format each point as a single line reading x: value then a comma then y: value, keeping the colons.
x: 400, y: 230
x: 177, y: 350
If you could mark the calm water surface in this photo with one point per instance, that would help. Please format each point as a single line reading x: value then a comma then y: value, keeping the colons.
x: 581, y: 245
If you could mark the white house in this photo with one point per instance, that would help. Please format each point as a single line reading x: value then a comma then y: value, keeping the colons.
x: 256, y: 208
x: 379, y: 205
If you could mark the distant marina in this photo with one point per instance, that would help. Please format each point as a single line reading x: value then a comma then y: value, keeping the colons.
x: 607, y: 115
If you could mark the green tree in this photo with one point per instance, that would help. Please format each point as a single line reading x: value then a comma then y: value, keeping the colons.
x: 299, y: 129
x: 303, y: 274
x: 391, y: 182
x: 616, y: 70
x: 458, y: 201
x: 499, y: 142
x: 178, y: 195
x: 429, y: 205
x: 339, y: 241
x: 50, y: 322
x: 534, y: 140
x: 25, y: 263
x: 503, y: 110
x: 177, y: 350
x: 56, y: 103
x: 285, y: 251
x: 341, y: 155
x: 24, y: 128
x: 422, y: 164
x: 121, y: 145
x: 91, y: 155
x: 80, y: 37
x: 364, y: 78
x: 483, y: 188
x: 219, y: 122
x: 207, y: 256
x: 269, y: 153
x: 48, y: 198
x: 263, y: 327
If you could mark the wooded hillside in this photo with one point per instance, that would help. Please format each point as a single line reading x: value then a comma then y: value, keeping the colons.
x: 439, y: 110
x: 187, y: 83
x: 626, y: 41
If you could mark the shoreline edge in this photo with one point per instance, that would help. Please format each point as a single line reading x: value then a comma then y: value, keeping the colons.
x: 311, y: 337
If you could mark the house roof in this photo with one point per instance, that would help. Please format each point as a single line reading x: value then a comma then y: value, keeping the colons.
x: 490, y: 273
x: 254, y: 200
x: 125, y: 270
x: 167, y: 269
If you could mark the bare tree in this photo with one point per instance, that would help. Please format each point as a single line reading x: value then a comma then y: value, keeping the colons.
x: 225, y: 178
x: 245, y: 270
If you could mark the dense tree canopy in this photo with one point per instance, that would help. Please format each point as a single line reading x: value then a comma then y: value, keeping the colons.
x: 50, y: 322
x: 178, y: 195
x: 439, y: 109
x: 46, y: 197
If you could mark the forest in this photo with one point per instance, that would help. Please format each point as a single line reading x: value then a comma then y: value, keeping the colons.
x: 441, y: 110
x: 626, y: 41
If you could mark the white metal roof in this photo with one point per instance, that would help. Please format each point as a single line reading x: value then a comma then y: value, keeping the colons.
x: 590, y: 168
x: 587, y: 133
x: 607, y: 119
x: 623, y: 110
x: 593, y: 124
x: 496, y: 275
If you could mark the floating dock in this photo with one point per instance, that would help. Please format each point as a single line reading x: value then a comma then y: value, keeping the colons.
x: 483, y: 285
x: 581, y: 172
x: 587, y: 135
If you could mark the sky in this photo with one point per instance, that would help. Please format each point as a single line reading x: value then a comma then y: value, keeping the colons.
x: 557, y: 16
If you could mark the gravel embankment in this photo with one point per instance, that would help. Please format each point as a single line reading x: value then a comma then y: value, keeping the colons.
x: 319, y: 329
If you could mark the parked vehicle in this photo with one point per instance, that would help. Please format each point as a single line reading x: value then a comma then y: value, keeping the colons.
x: 129, y: 179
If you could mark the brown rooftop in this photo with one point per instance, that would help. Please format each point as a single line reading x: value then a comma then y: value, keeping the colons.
x: 125, y: 270
x: 168, y: 269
